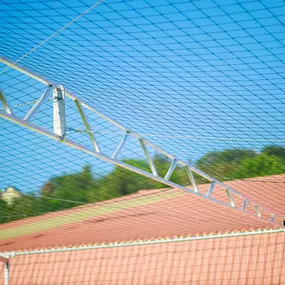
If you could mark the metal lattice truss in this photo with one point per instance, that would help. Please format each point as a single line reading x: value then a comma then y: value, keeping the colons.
x: 59, y: 134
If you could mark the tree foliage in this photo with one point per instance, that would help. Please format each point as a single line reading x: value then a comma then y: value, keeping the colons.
x: 222, y: 164
x: 70, y: 190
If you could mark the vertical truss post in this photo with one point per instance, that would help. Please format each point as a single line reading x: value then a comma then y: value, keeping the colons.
x: 5, y: 103
x: 59, y: 112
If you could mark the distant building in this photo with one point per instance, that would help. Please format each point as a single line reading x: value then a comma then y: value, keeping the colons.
x: 10, y: 194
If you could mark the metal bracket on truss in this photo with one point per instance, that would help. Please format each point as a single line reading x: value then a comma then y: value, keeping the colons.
x: 59, y: 127
x: 59, y: 134
x: 6, y: 273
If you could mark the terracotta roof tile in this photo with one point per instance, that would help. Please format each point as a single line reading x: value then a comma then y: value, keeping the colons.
x: 147, y: 214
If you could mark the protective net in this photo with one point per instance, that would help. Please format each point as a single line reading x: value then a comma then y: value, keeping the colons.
x: 129, y: 120
x: 231, y: 260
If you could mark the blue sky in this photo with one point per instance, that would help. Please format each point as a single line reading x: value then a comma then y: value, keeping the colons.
x: 209, y: 69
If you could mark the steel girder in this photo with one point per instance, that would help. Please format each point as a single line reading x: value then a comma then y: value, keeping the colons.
x: 59, y: 134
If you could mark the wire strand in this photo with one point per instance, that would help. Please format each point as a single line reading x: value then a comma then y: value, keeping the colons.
x: 56, y: 33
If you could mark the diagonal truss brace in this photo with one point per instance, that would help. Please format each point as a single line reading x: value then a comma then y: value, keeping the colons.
x: 5, y: 104
x: 149, y: 159
x: 38, y: 104
x: 59, y: 94
x: 86, y: 124
x: 120, y: 145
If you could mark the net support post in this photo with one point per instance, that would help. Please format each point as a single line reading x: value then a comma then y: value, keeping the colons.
x: 59, y: 125
x: 5, y: 260
x: 6, y: 273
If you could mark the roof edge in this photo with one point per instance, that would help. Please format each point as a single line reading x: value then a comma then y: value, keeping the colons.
x: 142, y: 242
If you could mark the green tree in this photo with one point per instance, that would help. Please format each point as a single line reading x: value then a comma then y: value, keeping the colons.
x: 223, y: 164
x: 276, y: 151
x: 59, y: 192
x: 72, y: 187
x: 4, y: 213
x: 270, y: 161
x: 261, y: 165
x: 22, y: 207
x: 123, y: 182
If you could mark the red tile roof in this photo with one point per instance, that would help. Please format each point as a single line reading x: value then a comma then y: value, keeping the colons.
x: 147, y: 214
x: 243, y: 260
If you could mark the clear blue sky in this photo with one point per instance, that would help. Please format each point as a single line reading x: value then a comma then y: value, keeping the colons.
x: 209, y: 69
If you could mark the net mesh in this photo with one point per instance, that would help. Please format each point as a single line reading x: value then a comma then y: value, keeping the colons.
x: 235, y: 260
x: 203, y: 80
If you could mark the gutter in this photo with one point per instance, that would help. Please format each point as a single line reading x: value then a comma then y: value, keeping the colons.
x: 7, y: 255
